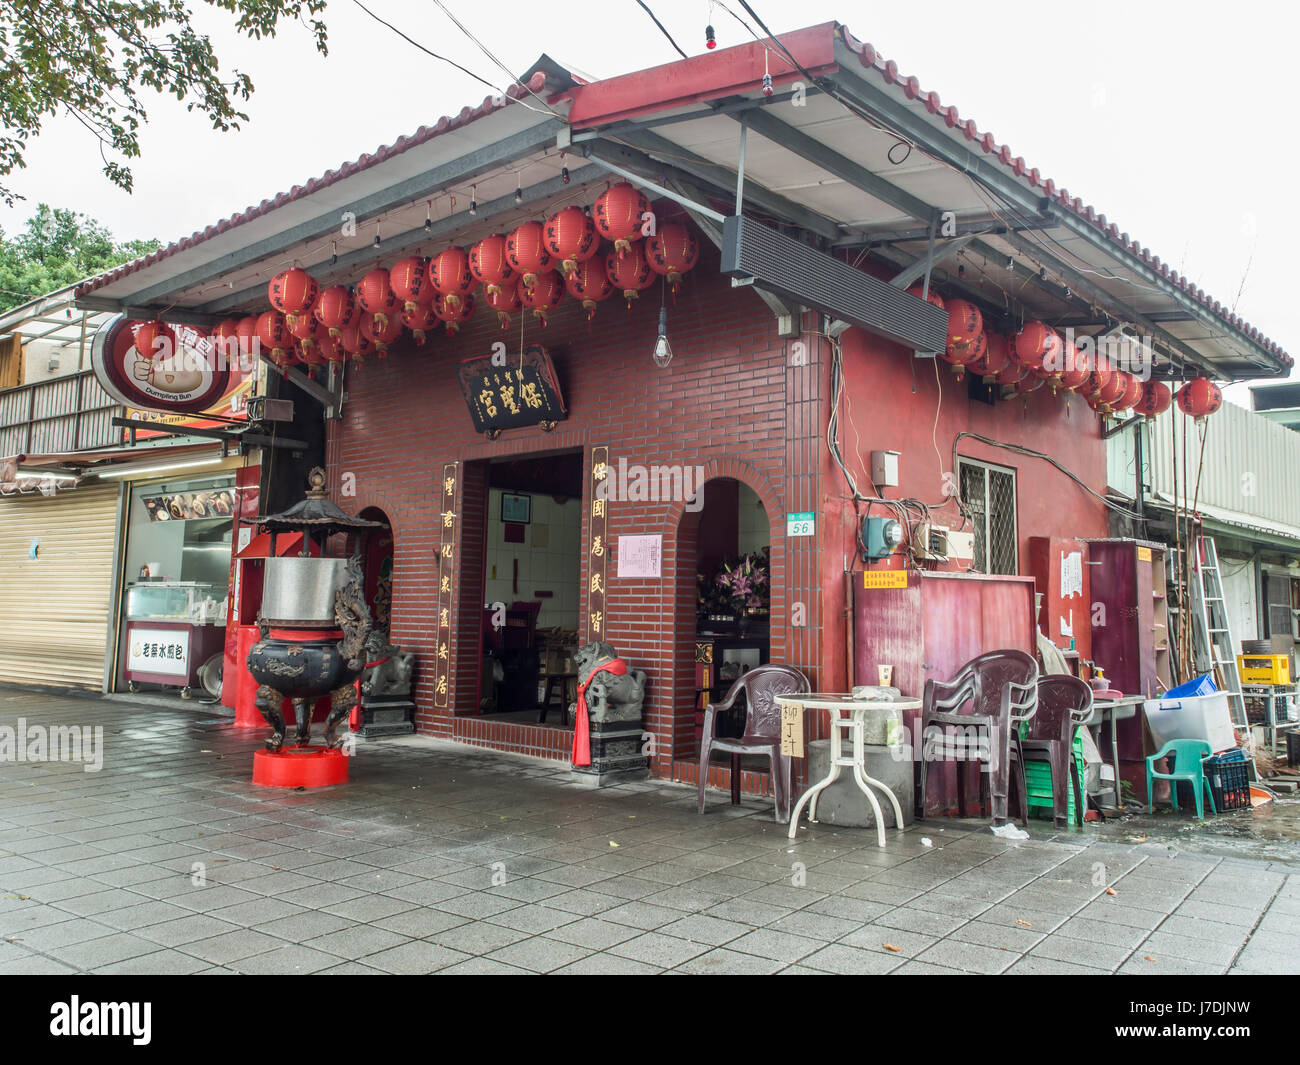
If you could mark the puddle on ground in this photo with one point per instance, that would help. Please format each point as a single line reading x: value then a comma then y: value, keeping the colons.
x: 1266, y: 833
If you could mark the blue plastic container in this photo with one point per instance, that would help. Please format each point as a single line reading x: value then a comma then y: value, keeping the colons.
x: 1197, y: 686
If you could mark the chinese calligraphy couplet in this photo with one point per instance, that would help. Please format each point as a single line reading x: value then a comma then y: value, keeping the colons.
x: 597, y: 550
x: 446, y: 584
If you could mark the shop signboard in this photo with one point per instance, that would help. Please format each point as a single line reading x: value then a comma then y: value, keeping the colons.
x: 510, y: 392
x: 186, y: 377
x: 164, y: 651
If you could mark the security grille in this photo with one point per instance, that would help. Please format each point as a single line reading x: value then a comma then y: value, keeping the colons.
x: 989, y: 495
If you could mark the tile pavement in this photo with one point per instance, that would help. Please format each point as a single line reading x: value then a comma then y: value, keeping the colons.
x: 442, y: 858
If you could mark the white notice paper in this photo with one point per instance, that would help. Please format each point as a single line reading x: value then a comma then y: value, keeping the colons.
x: 1071, y: 574
x: 640, y: 556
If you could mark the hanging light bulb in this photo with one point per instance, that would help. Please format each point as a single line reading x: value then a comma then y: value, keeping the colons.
x: 473, y: 201
x: 376, y: 242
x: 334, y: 253
x: 709, y: 42
x: 663, y: 353
x: 564, y: 174
x: 428, y: 216
x: 519, y: 192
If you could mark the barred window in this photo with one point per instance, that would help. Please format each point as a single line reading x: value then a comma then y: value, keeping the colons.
x: 989, y: 495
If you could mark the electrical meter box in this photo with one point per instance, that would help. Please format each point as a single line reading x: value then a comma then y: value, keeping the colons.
x: 884, y: 469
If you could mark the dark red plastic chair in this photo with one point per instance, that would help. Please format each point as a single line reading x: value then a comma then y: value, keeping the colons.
x: 987, y: 700
x: 1064, y: 703
x: 761, y: 686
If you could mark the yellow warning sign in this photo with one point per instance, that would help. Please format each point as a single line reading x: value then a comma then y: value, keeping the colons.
x: 884, y: 578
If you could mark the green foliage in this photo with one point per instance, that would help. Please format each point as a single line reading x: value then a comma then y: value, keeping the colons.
x: 91, y: 58
x: 57, y: 248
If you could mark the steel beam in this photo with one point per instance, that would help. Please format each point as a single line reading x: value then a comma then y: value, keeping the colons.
x: 419, y: 187
x: 941, y: 253
x: 718, y: 177
x: 594, y: 153
x: 795, y: 140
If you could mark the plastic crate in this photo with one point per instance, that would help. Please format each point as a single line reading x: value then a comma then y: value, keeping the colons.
x: 1229, y: 777
x: 1196, y: 686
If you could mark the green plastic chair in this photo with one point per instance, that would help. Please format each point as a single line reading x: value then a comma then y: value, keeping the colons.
x: 1187, y: 766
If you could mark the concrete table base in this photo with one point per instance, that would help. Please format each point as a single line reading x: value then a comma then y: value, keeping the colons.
x: 843, y: 802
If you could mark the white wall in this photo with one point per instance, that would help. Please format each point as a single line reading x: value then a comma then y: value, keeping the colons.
x: 548, y: 558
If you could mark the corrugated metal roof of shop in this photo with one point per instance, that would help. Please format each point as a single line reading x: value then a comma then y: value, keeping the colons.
x: 825, y: 166
x: 1248, y: 523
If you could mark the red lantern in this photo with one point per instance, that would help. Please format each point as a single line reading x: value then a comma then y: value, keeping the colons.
x: 450, y: 275
x: 590, y: 284
x: 545, y: 295
x: 155, y: 339
x: 629, y: 272
x: 331, y: 348
x: 246, y: 330
x: 1199, y: 397
x: 1112, y: 391
x: 308, y: 332
x: 293, y: 293
x: 489, y: 265
x: 410, y: 283
x: 571, y: 238
x: 354, y: 339
x: 375, y: 295
x: 1033, y: 344
x: 526, y: 251
x: 454, y: 310
x: 1012, y: 374
x: 1029, y: 383
x: 1074, y: 372
x: 934, y: 297
x: 336, y: 309
x: 1156, y: 399
x: 617, y: 215
x: 671, y: 252
x: 274, y: 336
x: 420, y: 321
x: 996, y: 358
x: 225, y: 341
x: 1100, y: 376
x: 965, y: 325
x: 1133, y: 389
x: 382, y: 329
x: 505, y: 301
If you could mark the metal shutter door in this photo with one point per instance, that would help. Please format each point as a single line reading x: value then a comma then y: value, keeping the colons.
x: 54, y: 609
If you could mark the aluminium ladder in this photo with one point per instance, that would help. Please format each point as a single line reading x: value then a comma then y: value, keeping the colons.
x: 1210, y: 612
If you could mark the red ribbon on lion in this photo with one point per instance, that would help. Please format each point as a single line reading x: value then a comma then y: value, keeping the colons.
x: 581, y: 726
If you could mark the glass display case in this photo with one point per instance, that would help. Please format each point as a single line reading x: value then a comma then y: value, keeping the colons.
x: 197, y: 602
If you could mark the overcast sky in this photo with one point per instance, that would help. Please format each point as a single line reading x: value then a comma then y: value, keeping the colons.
x: 1166, y: 117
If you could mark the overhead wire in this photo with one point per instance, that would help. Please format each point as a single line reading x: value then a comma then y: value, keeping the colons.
x: 655, y: 19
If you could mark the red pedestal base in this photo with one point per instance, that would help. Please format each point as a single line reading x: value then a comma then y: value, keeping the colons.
x: 300, y: 767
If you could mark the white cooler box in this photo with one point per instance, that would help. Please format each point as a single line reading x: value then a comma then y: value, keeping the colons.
x: 1195, y: 717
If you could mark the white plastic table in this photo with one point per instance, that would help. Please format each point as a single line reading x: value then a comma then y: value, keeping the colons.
x: 837, y: 704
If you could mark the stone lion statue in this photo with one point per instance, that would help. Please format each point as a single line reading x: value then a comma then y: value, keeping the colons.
x: 610, y: 697
x: 392, y: 677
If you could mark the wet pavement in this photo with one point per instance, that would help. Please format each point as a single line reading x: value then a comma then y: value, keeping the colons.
x: 443, y: 858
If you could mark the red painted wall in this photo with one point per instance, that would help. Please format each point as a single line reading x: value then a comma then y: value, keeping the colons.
x: 894, y: 402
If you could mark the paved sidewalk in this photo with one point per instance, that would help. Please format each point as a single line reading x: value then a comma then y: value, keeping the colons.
x: 442, y: 858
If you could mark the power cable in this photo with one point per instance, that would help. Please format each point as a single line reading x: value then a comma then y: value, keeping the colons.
x: 655, y: 19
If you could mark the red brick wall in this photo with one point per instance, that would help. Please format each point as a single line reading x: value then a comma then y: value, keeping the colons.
x: 724, y: 403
